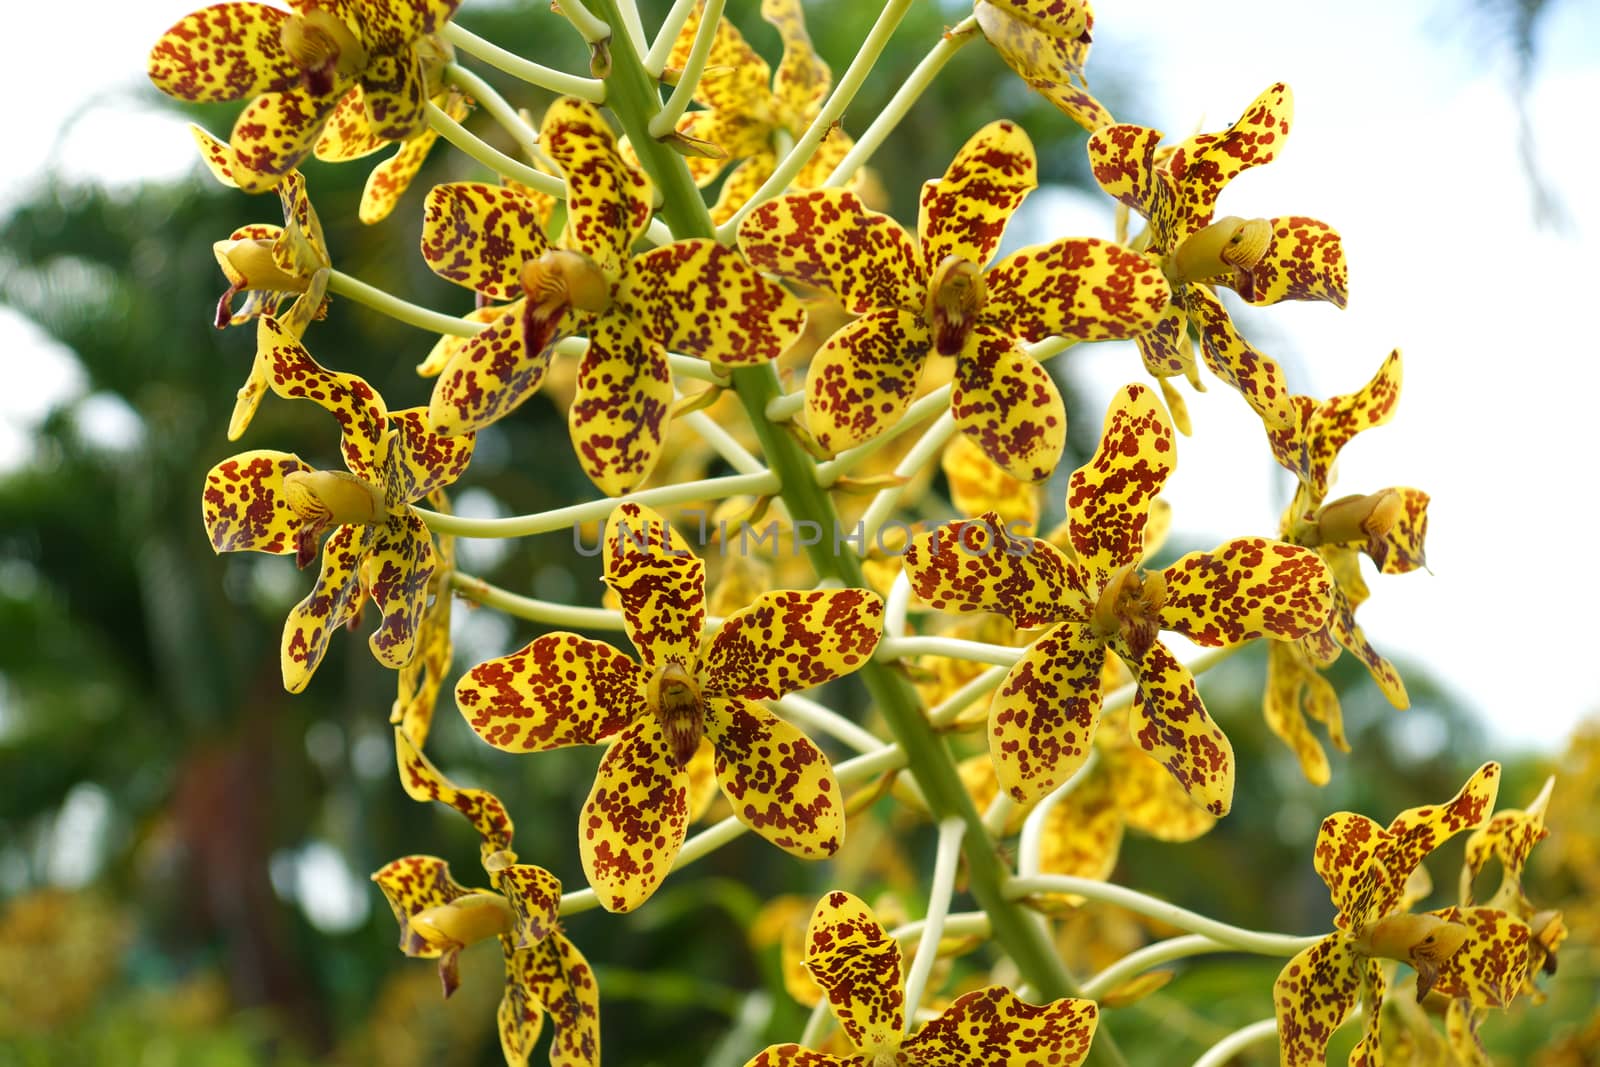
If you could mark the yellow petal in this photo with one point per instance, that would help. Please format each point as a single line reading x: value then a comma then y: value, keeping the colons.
x: 1314, y: 995
x: 1304, y: 262
x: 1310, y: 442
x: 480, y: 236
x: 738, y: 76
x: 396, y: 571
x: 964, y: 213
x: 332, y: 603
x: 244, y: 508
x: 1169, y: 721
x: 1007, y: 403
x: 220, y: 160
x: 412, y: 884
x: 390, y: 179
x: 608, y: 202
x: 359, y: 410
x: 223, y: 52
x: 1042, y: 719
x: 558, y: 690
x: 827, y: 239
x: 993, y: 1025
x: 857, y: 964
x: 1255, y: 375
x: 803, y: 78
x: 660, y: 583
x: 420, y: 460
x: 1080, y: 287
x: 618, y: 420
x: 1045, y: 54
x: 423, y: 782
x: 978, y: 565
x: 276, y: 132
x: 1149, y: 799
x: 558, y: 977
x: 779, y: 783
x: 791, y: 640
x: 1082, y: 833
x: 635, y: 819
x: 492, y: 373
x: 1289, y: 677
x: 347, y: 136
x: 1489, y: 968
x: 395, y: 94
x: 1108, y: 498
x: 1203, y: 164
x: 978, y: 485
x: 863, y: 378
x: 743, y: 182
x: 1246, y: 588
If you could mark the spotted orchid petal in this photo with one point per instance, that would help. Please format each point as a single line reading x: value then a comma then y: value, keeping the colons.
x: 778, y: 782
x: 792, y: 1055
x: 480, y: 235
x: 964, y: 213
x: 827, y: 239
x: 1304, y: 262
x: 1149, y: 799
x: 389, y: 26
x: 791, y: 640
x: 1344, y: 631
x: 1081, y: 287
x: 395, y: 94
x: 331, y: 604
x: 979, y: 485
x: 735, y: 74
x: 705, y: 299
x: 390, y: 179
x: 418, y: 683
x: 1169, y: 721
x: 857, y: 964
x: 223, y: 52
x: 244, y: 507
x: 1082, y: 833
x: 448, y: 346
x: 224, y: 165
x: 1257, y: 376
x: 420, y: 460
x: 276, y: 131
x: 558, y: 690
x: 1489, y: 968
x: 414, y: 884
x: 737, y: 134
x: 1165, y: 347
x: 1314, y: 995
x: 424, y: 782
x: 1042, y: 719
x: 994, y: 1026
x: 1246, y: 588
x: 1043, y: 43
x: 307, y: 306
x: 1203, y: 164
x: 608, y: 201
x: 745, y: 180
x: 557, y: 977
x: 1310, y: 442
x: 1296, y: 692
x: 863, y: 378
x: 980, y: 565
x: 347, y: 136
x: 355, y: 405
x: 1416, y: 832
x: 635, y: 819
x: 1108, y: 498
x: 396, y: 571
x: 661, y: 585
x: 1007, y: 403
x: 520, y: 1016
x: 1509, y: 837
x: 492, y: 373
x: 618, y: 421
x: 802, y: 79
x: 1123, y: 161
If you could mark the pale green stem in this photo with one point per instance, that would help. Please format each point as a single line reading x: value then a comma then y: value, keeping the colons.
x: 738, y: 457
x: 1032, y: 840
x: 1224, y: 1051
x: 785, y: 407
x: 851, y: 771
x: 929, y: 445
x: 490, y: 156
x: 401, y: 310
x: 951, y: 831
x: 924, y: 409
x: 998, y: 814
x: 696, y: 368
x: 962, y: 924
x: 592, y: 29
x: 814, y: 717
x: 665, y: 121
x: 562, y: 518
x: 479, y: 591
x: 950, y: 647
x: 628, y: 10
x: 1136, y: 963
x: 1265, y: 944
x: 844, y: 92
x: 884, y: 123
x: 816, y: 1025
x: 894, y: 608
x: 499, y: 109
x: 557, y: 81
x: 946, y: 711
x: 667, y: 36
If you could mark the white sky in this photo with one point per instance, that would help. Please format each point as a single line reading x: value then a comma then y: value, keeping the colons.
x: 1404, y: 139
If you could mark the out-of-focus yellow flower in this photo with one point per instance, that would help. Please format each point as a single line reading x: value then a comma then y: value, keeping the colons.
x: 1047, y: 43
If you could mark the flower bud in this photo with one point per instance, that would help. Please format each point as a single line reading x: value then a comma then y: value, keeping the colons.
x: 1227, y: 245
x: 464, y: 921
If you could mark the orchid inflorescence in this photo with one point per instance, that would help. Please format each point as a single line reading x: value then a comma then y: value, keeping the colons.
x: 600, y: 249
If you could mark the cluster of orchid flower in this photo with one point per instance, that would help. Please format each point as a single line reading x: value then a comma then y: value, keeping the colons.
x: 602, y: 249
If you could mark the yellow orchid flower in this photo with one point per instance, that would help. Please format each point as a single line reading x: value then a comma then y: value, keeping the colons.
x: 348, y: 136
x: 1479, y: 954
x: 1263, y: 260
x: 273, y: 502
x: 932, y: 294
x: 1047, y: 43
x: 857, y: 965
x: 696, y: 297
x: 563, y: 689
x: 1043, y: 716
x: 295, y: 66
